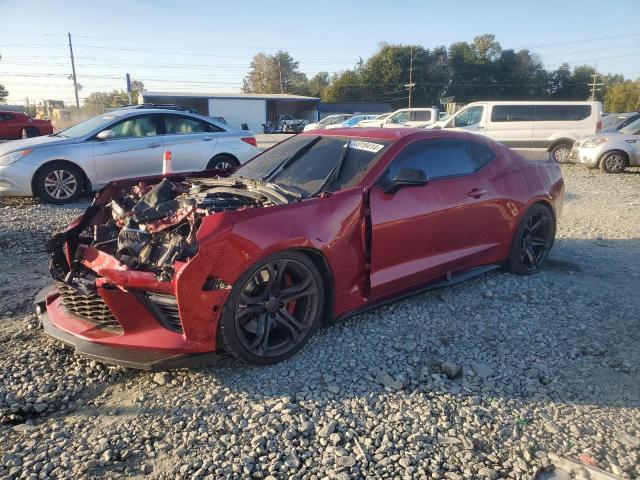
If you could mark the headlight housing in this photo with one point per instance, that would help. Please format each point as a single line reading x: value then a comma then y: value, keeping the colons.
x: 9, y: 158
x: 594, y: 142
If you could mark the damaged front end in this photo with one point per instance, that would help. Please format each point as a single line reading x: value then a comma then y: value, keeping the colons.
x: 117, y: 266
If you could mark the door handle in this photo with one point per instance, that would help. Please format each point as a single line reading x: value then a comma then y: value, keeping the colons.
x: 207, y: 139
x: 153, y: 145
x: 479, y: 127
x: 477, y: 192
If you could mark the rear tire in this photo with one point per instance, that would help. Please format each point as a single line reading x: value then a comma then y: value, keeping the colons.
x: 613, y: 162
x: 223, y: 162
x: 59, y: 183
x: 533, y: 241
x: 560, y: 152
x: 273, y: 309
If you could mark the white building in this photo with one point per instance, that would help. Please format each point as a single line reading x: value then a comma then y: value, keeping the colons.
x: 240, y: 108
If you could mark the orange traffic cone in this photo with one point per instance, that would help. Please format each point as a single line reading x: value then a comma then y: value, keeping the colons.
x: 166, y: 163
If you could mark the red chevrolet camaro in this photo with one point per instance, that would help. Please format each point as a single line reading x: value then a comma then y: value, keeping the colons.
x: 164, y: 272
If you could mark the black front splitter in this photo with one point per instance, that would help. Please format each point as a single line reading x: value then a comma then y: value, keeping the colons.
x: 153, y: 360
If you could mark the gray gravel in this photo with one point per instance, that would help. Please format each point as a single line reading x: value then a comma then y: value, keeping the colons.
x: 482, y: 380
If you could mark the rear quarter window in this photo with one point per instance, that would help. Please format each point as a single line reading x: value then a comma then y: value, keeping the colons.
x: 562, y: 113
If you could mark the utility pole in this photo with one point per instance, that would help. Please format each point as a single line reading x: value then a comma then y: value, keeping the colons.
x: 280, y: 72
x: 73, y: 70
x: 410, y: 85
x: 594, y: 84
x: 129, y: 88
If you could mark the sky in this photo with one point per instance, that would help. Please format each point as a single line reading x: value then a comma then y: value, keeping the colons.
x: 206, y: 46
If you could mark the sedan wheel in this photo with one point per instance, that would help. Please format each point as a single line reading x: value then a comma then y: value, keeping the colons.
x: 613, y: 162
x: 276, y: 308
x: 59, y: 183
x: 533, y: 241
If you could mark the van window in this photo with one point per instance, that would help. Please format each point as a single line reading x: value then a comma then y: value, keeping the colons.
x: 421, y: 116
x: 470, y: 116
x: 562, y: 113
x: 400, y: 117
x: 512, y: 113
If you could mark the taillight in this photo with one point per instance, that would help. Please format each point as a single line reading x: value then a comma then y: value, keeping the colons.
x: 598, y: 126
x: 250, y: 141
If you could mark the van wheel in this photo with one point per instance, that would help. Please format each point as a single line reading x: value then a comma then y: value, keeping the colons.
x: 560, y: 152
x: 613, y: 162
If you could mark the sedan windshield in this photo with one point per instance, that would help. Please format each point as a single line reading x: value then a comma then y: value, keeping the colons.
x: 632, y: 129
x: 88, y: 126
x: 305, y: 163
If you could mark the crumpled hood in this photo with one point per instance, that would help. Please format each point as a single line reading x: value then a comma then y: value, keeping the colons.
x: 35, y: 142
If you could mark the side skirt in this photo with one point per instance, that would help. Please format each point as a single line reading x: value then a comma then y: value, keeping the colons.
x: 447, y: 281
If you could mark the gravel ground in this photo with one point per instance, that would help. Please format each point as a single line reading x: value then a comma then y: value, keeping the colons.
x: 481, y: 380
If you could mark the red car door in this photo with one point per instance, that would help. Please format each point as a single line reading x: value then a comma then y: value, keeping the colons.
x: 453, y: 222
x: 10, y: 125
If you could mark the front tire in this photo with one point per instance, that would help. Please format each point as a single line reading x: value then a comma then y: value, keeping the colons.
x: 561, y: 152
x: 533, y: 241
x: 613, y: 162
x: 28, y: 132
x: 59, y: 183
x: 273, y: 309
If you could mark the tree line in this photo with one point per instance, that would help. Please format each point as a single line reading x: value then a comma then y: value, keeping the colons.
x: 480, y: 70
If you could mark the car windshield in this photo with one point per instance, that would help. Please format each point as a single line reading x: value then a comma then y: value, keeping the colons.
x: 88, y: 126
x: 304, y: 162
x: 632, y: 129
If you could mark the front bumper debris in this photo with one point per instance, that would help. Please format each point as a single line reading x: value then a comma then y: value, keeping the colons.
x: 143, y: 359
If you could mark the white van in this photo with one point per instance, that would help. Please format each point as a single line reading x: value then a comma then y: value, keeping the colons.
x: 532, y: 125
x: 409, y: 117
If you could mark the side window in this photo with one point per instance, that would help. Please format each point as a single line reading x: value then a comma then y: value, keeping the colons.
x: 471, y: 116
x: 142, y: 126
x: 177, y: 125
x: 401, y: 117
x: 421, y: 116
x: 6, y: 116
x: 512, y: 113
x: 481, y: 154
x: 560, y: 113
x: 441, y: 158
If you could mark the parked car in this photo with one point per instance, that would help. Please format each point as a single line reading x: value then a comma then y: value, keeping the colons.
x: 411, y: 118
x: 15, y: 125
x: 327, y: 121
x: 376, y: 121
x: 612, y: 152
x: 615, y: 121
x: 317, y: 228
x: 285, y: 123
x: 352, y: 122
x: 124, y: 143
x: 553, y: 126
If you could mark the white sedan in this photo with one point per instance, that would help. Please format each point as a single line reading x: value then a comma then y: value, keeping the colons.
x: 612, y: 152
x: 125, y: 143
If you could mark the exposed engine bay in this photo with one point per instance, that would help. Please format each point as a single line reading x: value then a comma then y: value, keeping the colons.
x: 148, y: 227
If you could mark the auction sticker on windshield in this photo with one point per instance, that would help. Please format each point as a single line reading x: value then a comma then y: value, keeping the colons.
x: 366, y: 146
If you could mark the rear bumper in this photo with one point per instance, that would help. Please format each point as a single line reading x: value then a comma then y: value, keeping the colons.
x: 66, y: 328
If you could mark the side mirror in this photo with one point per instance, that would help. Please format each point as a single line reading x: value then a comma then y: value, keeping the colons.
x: 105, y: 134
x: 406, y: 177
x: 389, y: 120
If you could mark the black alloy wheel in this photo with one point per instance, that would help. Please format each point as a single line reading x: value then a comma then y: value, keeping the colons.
x: 273, y: 309
x: 533, y: 241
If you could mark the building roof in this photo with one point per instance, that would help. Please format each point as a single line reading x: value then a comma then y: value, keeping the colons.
x: 256, y: 96
x: 363, y: 107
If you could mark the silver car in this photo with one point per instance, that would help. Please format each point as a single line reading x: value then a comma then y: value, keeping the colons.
x: 125, y: 143
x: 611, y: 152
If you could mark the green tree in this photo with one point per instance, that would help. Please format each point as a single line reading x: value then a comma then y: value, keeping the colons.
x: 318, y: 84
x: 100, y: 102
x: 277, y: 73
x: 3, y: 94
x: 623, y: 97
